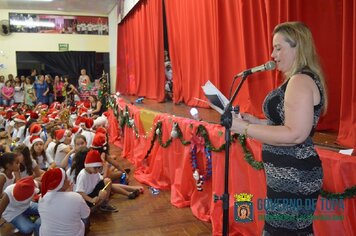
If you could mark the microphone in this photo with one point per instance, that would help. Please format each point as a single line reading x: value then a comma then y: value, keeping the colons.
x: 268, y: 66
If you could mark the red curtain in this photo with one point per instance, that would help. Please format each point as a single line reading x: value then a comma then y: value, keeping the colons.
x: 140, y: 57
x: 193, y: 47
x: 214, y: 40
x: 347, y: 128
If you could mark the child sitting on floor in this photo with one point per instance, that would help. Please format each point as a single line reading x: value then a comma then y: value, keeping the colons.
x: 10, y: 165
x: 91, y: 184
x: 66, y: 219
x: 16, y: 206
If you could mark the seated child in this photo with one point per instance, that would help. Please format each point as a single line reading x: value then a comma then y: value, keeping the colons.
x: 66, y: 219
x: 90, y: 183
x: 16, y: 206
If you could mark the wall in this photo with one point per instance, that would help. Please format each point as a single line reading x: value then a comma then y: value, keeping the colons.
x: 45, y: 42
x: 124, y: 7
x: 113, y: 47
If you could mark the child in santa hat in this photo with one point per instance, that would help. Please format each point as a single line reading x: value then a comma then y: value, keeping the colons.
x: 10, y: 166
x: 19, y: 129
x: 91, y: 185
x: 78, y: 141
x: 33, y: 129
x: 112, y: 168
x: 28, y: 166
x: 62, y: 148
x: 66, y: 219
x: 87, y: 130
x: 51, y: 143
x: 39, y: 155
x: 16, y: 206
x: 77, y: 165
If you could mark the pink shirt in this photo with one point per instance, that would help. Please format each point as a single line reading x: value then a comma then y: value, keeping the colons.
x: 7, y: 91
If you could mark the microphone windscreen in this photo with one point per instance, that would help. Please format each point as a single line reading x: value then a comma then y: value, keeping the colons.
x: 271, y: 65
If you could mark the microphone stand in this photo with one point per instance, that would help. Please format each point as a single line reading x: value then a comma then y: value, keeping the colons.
x: 226, y: 121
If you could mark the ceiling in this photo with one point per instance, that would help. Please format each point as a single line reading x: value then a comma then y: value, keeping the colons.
x: 97, y: 7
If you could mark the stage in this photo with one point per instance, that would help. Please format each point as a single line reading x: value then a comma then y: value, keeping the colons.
x: 158, y: 138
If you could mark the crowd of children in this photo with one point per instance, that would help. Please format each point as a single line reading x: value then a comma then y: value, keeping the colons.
x: 56, y: 167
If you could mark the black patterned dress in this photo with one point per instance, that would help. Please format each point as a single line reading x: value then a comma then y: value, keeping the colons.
x: 293, y: 173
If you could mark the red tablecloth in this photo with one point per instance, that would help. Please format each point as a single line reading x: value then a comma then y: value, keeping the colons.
x: 170, y: 168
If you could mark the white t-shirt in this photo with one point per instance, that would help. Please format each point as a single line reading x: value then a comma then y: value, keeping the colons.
x: 24, y: 173
x: 8, y: 181
x: 60, y: 153
x: 44, y: 165
x: 19, y: 94
x: 66, y: 219
x: 70, y: 177
x: 15, y: 207
x: 18, y: 133
x: 26, y: 141
x: 50, y: 150
x: 86, y: 182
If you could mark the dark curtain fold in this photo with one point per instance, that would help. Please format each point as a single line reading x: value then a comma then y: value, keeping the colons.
x: 140, y: 56
x: 68, y: 63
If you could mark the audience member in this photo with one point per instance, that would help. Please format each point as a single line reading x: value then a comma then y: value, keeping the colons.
x: 66, y: 219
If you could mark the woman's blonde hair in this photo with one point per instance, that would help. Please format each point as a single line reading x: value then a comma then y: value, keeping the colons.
x: 298, y: 36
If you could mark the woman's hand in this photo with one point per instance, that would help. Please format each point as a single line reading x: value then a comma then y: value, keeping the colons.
x: 238, y: 125
x: 252, y: 119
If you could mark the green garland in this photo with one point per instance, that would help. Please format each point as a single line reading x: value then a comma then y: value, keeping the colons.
x: 348, y: 193
x: 124, y: 119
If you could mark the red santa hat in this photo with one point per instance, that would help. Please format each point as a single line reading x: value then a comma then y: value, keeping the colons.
x: 73, y: 110
x: 93, y: 159
x: 106, y: 114
x: 14, y: 114
x: 34, y: 115
x: 52, y: 117
x: 34, y: 139
x: 35, y: 129
x: 24, y: 189
x: 99, y: 141
x: 80, y: 121
x: 61, y: 134
x: 52, y: 180
x: 86, y: 104
x: 101, y: 130
x: 20, y: 119
x: 43, y: 107
x: 45, y: 120
x: 83, y: 111
x: 89, y: 122
x: 76, y: 130
x: 55, y: 105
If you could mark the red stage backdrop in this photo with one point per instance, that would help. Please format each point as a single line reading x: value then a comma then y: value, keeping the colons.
x: 140, y: 53
x: 216, y: 39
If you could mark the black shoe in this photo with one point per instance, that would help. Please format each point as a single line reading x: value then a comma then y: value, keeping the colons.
x: 127, y: 170
x: 108, y: 208
x: 132, y: 195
